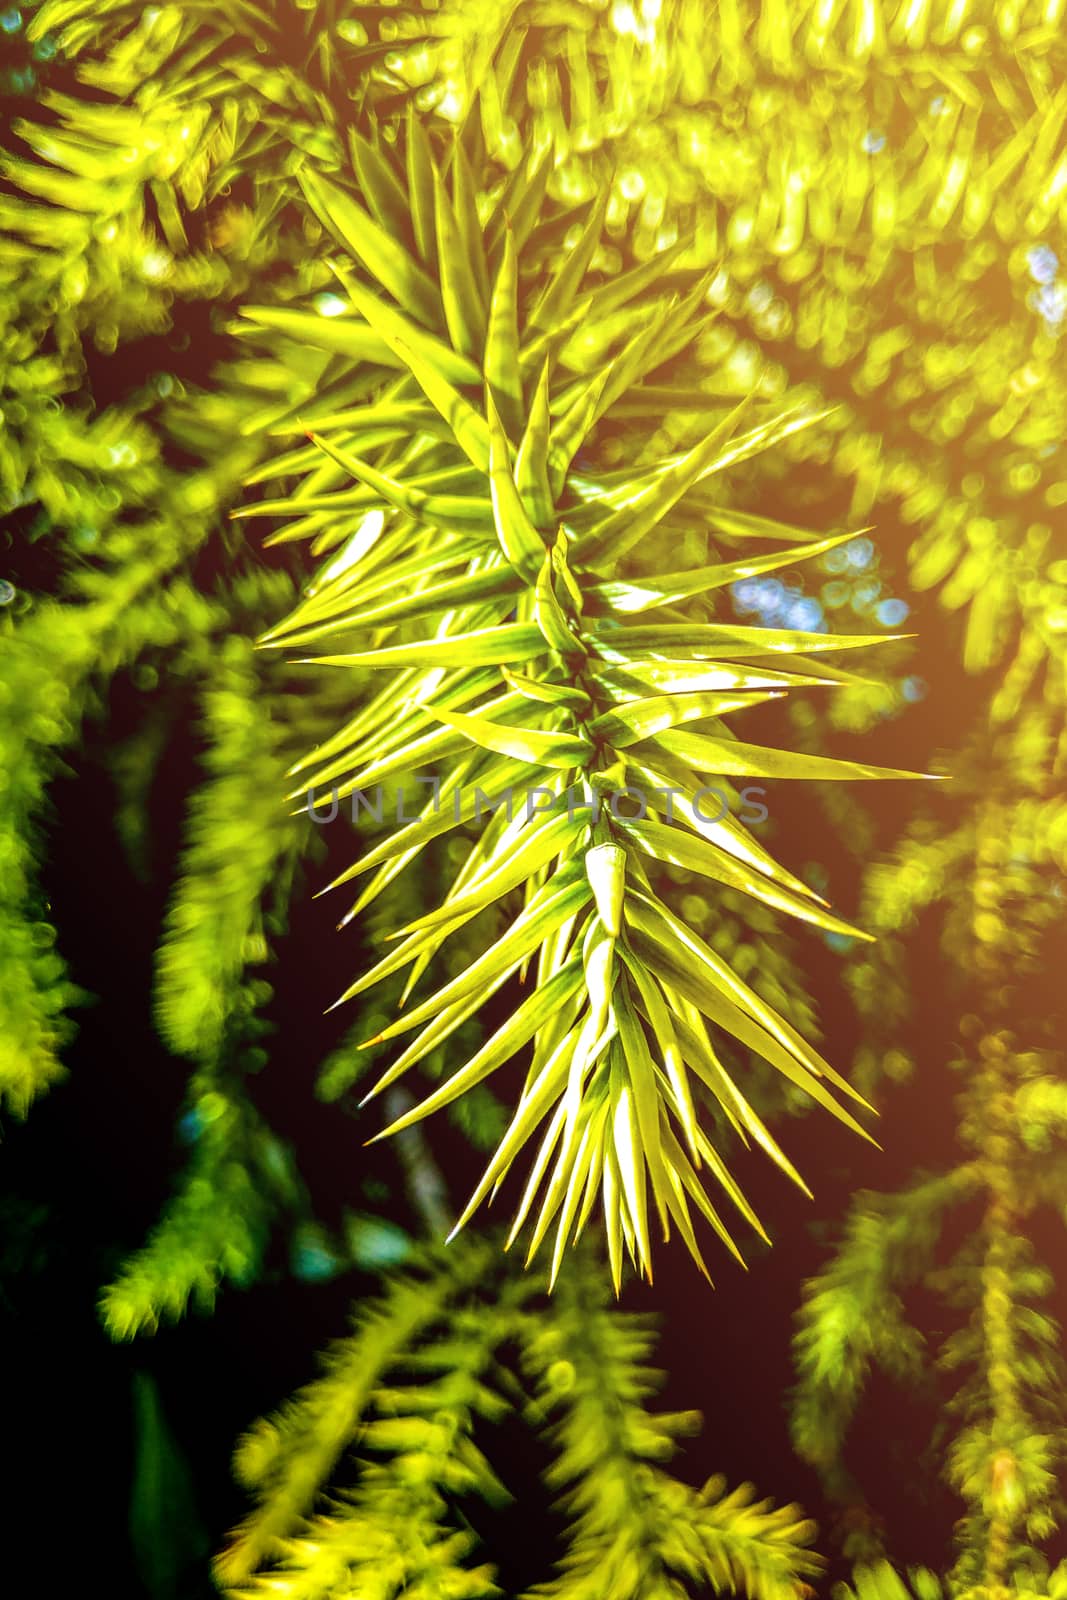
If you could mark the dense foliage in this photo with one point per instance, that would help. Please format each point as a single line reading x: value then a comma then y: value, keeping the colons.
x: 457, y: 415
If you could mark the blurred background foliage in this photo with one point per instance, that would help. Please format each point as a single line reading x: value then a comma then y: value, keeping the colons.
x: 877, y: 192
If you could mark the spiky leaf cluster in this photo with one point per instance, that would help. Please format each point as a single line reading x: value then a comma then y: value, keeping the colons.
x: 394, y: 1423
x: 481, y: 546
x: 878, y: 190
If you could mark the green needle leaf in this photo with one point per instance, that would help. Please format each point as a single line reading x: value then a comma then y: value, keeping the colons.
x: 565, y: 750
x: 502, y: 371
x: 376, y: 250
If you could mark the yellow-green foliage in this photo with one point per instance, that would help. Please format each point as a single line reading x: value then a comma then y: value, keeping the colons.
x: 216, y: 1226
x: 396, y: 1406
x: 515, y: 265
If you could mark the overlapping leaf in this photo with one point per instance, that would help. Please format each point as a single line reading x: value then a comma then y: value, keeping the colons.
x: 495, y: 589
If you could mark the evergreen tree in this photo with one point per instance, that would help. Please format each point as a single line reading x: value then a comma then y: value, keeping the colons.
x: 510, y: 330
